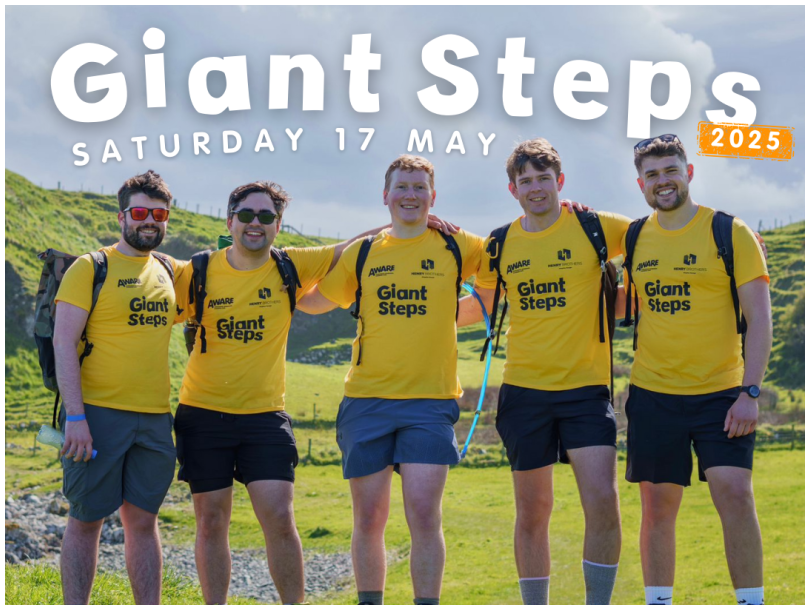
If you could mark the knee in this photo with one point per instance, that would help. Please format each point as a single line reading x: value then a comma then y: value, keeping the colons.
x: 371, y: 517
x: 602, y: 505
x: 534, y: 515
x: 213, y: 523
x: 279, y: 518
x: 424, y: 517
x: 735, y: 499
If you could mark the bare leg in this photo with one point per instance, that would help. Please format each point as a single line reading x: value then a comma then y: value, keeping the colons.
x: 371, y: 498
x: 79, y: 558
x: 212, y: 551
x: 659, y: 510
x: 733, y: 496
x: 273, y: 505
x: 422, y: 489
x: 143, y: 555
x: 595, y: 470
x: 534, y: 501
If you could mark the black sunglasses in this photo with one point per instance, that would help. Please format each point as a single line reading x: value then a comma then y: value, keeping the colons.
x: 667, y: 137
x: 266, y: 217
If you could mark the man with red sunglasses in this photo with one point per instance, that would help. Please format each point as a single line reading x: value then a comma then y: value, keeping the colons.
x: 117, y: 403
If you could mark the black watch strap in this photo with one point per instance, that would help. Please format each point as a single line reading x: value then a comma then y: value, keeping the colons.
x: 751, y: 390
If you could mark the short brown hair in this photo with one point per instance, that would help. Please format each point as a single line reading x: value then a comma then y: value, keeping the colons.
x: 150, y: 184
x: 659, y: 148
x: 539, y: 152
x: 279, y: 196
x: 409, y: 163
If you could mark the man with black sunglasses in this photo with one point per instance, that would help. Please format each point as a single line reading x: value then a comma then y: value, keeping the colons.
x: 117, y: 402
x: 698, y: 276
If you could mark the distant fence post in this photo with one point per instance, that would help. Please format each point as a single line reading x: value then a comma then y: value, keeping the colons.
x: 309, y: 451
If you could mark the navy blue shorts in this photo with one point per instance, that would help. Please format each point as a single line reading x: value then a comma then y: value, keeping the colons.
x: 663, y: 428
x: 374, y: 433
x: 537, y: 427
x: 214, y: 448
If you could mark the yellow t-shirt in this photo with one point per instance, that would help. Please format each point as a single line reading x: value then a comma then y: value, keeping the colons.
x: 687, y: 335
x: 408, y: 314
x: 553, y: 281
x: 246, y: 320
x: 129, y: 328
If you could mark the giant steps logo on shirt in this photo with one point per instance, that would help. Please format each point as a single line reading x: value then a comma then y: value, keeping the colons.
x: 655, y: 290
x: 541, y: 295
x: 244, y: 331
x: 147, y: 312
x: 406, y: 302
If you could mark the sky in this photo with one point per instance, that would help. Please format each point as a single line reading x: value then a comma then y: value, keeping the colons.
x: 339, y: 193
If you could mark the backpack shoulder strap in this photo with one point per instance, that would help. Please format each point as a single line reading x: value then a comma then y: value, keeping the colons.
x: 167, y: 264
x: 630, y: 240
x: 197, y: 292
x: 362, y: 255
x: 596, y: 235
x: 494, y: 249
x: 722, y: 227
x: 452, y: 245
x: 288, y: 273
x: 99, y: 275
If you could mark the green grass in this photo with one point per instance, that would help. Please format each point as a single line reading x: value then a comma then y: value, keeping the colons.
x: 478, y: 519
x: 40, y: 584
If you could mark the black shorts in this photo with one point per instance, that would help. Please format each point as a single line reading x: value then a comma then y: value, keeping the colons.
x: 538, y: 426
x: 215, y: 448
x: 662, y: 428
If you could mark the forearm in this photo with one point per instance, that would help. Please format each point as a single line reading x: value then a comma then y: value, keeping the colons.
x: 758, y: 343
x: 69, y: 378
x: 469, y: 311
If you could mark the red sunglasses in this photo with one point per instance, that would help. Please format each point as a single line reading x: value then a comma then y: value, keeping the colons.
x: 159, y: 214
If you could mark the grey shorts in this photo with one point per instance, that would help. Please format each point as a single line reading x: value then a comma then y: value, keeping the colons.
x: 374, y: 433
x: 135, y: 462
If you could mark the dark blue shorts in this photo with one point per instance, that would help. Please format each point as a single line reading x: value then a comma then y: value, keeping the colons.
x: 374, y: 433
x: 662, y: 428
x: 538, y: 426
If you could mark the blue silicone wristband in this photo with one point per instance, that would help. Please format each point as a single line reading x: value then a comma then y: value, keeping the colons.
x: 81, y: 417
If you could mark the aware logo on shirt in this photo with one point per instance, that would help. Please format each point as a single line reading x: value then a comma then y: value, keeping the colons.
x: 381, y: 270
x: 647, y: 265
x: 129, y: 282
x: 518, y: 266
x: 222, y: 303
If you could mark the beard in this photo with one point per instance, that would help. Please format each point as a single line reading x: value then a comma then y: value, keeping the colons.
x: 143, y: 243
x: 681, y: 196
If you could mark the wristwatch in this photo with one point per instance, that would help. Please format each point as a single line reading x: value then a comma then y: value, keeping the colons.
x: 751, y: 390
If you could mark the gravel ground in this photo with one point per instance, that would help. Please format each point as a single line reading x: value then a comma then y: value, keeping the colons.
x: 35, y: 525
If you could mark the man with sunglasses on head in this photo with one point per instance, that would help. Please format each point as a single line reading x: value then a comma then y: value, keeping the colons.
x: 116, y: 402
x: 690, y: 386
x: 231, y: 423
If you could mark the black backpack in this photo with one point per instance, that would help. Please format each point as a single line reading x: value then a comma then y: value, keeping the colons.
x: 197, y: 292
x: 362, y: 255
x: 56, y: 264
x: 608, y: 284
x: 722, y: 225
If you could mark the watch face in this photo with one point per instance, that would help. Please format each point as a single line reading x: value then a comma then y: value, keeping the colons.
x: 753, y: 391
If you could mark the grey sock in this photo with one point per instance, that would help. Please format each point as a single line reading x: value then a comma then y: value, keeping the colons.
x: 599, y: 581
x: 370, y: 598
x: 425, y: 601
x: 534, y: 591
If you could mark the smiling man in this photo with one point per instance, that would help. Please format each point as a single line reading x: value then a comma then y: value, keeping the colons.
x: 699, y: 275
x: 400, y: 395
x: 231, y: 423
x: 117, y: 403
x: 554, y: 403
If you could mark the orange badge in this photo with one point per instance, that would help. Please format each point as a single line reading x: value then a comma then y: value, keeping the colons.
x: 747, y: 141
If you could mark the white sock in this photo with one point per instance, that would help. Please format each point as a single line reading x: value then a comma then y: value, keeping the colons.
x: 750, y: 597
x: 658, y: 596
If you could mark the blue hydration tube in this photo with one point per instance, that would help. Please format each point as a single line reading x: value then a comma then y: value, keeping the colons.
x: 486, y: 368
